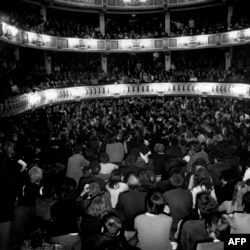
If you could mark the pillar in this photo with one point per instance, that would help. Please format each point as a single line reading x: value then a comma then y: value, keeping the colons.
x: 229, y: 15
x: 47, y: 62
x: 104, y: 60
x: 167, y: 22
x: 43, y: 12
x: 228, y: 58
x: 167, y: 60
x: 102, y: 23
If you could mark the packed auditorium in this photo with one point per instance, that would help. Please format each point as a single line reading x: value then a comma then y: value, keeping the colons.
x: 124, y: 124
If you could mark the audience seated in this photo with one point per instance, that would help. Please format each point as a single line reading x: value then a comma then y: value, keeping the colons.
x: 73, y: 214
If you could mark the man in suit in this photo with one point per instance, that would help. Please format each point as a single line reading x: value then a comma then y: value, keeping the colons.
x: 131, y: 203
x: 179, y: 201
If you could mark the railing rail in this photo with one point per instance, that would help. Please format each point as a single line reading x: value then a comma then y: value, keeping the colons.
x: 13, y: 35
x: 186, y: 2
x: 26, y: 102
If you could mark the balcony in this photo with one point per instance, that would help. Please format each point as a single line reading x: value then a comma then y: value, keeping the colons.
x: 27, y: 102
x: 13, y: 35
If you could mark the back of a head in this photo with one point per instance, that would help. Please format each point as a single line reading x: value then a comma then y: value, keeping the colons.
x: 35, y: 174
x: 246, y: 202
x: 155, y: 203
x: 194, y: 147
x: 95, y: 167
x: 130, y: 160
x: 217, y: 227
x: 176, y: 180
x: 66, y: 188
x: 104, y: 158
x: 94, y: 143
x: 159, y: 148
x: 77, y: 150
x: 9, y: 149
x: 133, y: 181
x: 94, y: 189
x: 200, y: 162
x: 111, y: 224
x: 203, y: 178
x: 206, y: 204
x: 97, y: 207
x: 115, y: 178
x: 144, y: 176
x: 239, y: 190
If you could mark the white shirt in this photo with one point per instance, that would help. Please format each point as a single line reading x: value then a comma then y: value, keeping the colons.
x: 107, y: 168
x: 115, y: 192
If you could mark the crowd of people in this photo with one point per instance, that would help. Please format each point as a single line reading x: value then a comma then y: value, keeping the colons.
x: 133, y: 173
x: 68, y: 70
x: 63, y: 24
x: 199, y: 26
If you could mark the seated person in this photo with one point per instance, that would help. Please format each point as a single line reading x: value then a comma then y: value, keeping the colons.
x: 131, y: 203
x: 112, y: 234
x: 218, y: 229
x: 106, y: 166
x: 194, y: 230
x: 179, y: 201
x: 94, y: 176
x: 89, y: 192
x: 115, y: 186
x: 240, y: 222
x: 153, y: 227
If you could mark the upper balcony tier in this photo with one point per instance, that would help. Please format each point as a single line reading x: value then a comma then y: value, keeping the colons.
x: 126, y: 4
x: 19, y: 37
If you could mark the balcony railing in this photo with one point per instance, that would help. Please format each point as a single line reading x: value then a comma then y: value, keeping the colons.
x: 23, y: 103
x: 186, y: 2
x: 11, y: 34
x: 135, y: 3
x: 79, y: 3
x: 123, y: 4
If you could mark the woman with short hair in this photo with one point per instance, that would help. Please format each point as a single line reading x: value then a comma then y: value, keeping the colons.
x: 153, y: 227
x: 91, y: 220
